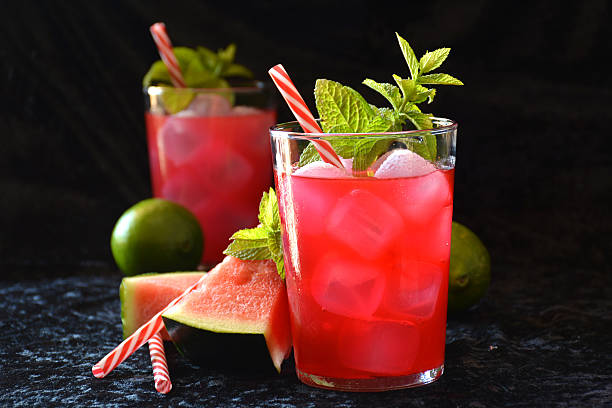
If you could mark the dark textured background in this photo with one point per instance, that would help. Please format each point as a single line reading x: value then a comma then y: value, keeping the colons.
x: 533, y: 176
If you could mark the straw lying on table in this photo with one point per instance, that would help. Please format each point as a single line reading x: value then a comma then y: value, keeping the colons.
x: 138, y: 338
x: 161, y: 375
x: 149, y: 332
x: 302, y: 114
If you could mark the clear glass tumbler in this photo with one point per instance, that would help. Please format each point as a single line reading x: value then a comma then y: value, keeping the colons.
x: 209, y: 151
x: 367, y: 256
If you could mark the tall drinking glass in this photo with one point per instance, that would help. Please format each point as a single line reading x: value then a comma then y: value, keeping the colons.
x: 212, y: 156
x: 367, y: 257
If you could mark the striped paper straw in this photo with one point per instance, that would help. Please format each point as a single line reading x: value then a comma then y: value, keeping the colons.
x: 138, y: 338
x: 164, y: 46
x: 161, y: 375
x: 302, y: 114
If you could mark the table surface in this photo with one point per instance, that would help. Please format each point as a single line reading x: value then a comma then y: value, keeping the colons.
x: 541, y: 337
x: 533, y: 181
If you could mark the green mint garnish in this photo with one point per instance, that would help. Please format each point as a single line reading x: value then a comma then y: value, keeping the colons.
x: 201, y: 68
x: 344, y: 110
x: 263, y: 241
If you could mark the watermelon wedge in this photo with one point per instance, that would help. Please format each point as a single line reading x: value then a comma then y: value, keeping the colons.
x: 240, y: 309
x: 145, y: 295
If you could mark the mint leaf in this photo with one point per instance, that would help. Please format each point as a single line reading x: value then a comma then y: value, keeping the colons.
x: 408, y: 87
x: 268, y: 211
x: 424, y: 94
x: 438, y: 79
x: 248, y: 250
x: 342, y: 109
x: 250, y: 234
x: 418, y: 119
x: 176, y: 100
x: 391, y: 116
x: 390, y: 92
x: 368, y: 150
x: 433, y: 59
x: 228, y: 54
x: 263, y: 241
x: 209, y: 58
x: 309, y: 155
x: 237, y: 70
x: 157, y: 75
x: 425, y: 146
x: 411, y: 59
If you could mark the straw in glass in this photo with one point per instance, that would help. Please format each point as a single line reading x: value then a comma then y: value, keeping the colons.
x: 302, y: 114
x: 164, y: 46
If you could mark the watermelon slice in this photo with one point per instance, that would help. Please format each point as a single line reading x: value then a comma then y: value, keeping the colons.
x: 145, y: 295
x: 238, y: 303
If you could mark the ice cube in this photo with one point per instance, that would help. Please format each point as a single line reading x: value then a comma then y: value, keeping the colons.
x: 380, y: 347
x: 320, y: 169
x: 185, y: 187
x: 424, y: 197
x: 347, y: 286
x: 401, y: 163
x: 311, y: 204
x: 364, y: 222
x: 180, y: 139
x: 434, y: 245
x: 348, y: 164
x: 207, y: 105
x: 414, y: 291
x: 225, y: 169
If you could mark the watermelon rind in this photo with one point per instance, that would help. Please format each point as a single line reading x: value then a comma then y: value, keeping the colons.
x: 129, y: 307
x: 244, y: 353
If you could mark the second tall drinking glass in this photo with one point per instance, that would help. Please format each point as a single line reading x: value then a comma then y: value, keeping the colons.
x: 213, y: 156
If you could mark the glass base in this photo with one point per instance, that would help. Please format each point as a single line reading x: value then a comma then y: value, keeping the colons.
x: 371, y: 384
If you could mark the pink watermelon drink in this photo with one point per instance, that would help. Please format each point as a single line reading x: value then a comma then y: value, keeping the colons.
x: 366, y: 260
x: 213, y: 158
x: 207, y: 123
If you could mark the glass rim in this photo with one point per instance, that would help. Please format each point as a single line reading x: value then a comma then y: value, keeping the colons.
x: 282, y: 130
x: 160, y: 89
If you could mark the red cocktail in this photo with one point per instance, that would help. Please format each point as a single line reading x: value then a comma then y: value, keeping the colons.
x: 367, y: 257
x: 212, y: 157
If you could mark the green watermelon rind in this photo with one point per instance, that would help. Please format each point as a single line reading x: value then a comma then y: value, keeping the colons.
x: 218, y: 325
x: 242, y: 353
x: 127, y: 285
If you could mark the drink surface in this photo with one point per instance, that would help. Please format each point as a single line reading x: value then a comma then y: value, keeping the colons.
x: 216, y: 166
x: 367, y: 271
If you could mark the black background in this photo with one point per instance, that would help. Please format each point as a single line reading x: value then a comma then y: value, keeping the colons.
x: 533, y: 167
x: 533, y: 180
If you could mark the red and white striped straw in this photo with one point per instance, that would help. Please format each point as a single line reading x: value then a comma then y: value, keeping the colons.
x: 161, y: 375
x: 138, y: 338
x: 302, y: 114
x: 164, y: 46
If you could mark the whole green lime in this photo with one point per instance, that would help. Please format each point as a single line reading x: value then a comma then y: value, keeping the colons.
x: 157, y: 235
x: 470, y: 269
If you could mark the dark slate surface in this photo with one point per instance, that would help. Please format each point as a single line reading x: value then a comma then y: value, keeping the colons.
x: 541, y: 337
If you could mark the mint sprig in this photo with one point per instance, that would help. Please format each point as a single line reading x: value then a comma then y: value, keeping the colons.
x: 263, y: 241
x: 201, y: 68
x: 344, y: 110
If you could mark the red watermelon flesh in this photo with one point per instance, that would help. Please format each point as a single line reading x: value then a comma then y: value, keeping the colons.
x: 243, y: 297
x: 143, y: 296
